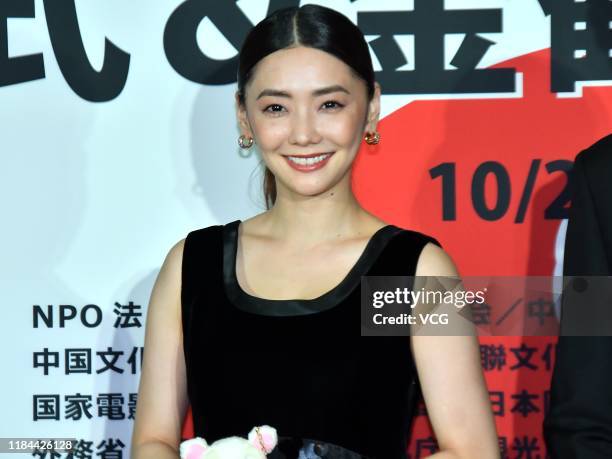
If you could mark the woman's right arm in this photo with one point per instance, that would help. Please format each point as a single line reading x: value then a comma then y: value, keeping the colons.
x: 162, y: 393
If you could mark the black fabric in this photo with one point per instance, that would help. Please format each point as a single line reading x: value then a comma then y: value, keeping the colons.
x: 304, y: 448
x: 579, y: 422
x: 246, y: 302
x: 307, y: 373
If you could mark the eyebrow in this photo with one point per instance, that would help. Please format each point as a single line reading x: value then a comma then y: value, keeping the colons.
x: 316, y: 92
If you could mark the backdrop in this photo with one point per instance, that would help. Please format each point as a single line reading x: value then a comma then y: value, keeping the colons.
x: 119, y: 137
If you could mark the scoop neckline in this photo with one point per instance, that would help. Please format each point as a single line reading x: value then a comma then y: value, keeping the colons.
x: 297, y: 307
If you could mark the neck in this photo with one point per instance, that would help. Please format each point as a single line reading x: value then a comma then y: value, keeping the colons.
x: 311, y: 219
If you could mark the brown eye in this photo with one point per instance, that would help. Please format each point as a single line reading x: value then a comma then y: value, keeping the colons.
x: 274, y: 108
x: 332, y: 105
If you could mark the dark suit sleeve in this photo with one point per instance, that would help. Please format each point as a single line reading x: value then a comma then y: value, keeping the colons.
x: 579, y: 422
x: 586, y: 243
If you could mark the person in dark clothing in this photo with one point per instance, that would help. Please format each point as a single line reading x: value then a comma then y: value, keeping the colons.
x: 579, y: 422
x: 258, y: 321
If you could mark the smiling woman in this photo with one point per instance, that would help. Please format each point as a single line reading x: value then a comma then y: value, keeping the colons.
x: 258, y: 322
x: 325, y: 37
x: 306, y: 111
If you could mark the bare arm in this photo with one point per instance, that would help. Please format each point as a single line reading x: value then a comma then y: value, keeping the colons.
x: 162, y: 393
x: 452, y: 381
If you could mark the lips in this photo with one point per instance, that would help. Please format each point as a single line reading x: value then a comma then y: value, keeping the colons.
x: 308, y: 163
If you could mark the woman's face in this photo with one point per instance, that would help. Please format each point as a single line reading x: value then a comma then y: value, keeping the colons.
x: 307, y: 112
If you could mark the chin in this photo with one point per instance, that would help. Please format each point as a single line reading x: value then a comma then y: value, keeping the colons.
x: 310, y: 183
x: 311, y: 189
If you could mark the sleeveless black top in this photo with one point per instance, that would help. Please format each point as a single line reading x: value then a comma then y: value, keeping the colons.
x: 300, y: 366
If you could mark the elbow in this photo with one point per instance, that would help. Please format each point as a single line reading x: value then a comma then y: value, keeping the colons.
x: 153, y: 449
x: 480, y: 449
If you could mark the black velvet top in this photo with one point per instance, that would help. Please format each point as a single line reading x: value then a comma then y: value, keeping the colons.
x: 300, y: 366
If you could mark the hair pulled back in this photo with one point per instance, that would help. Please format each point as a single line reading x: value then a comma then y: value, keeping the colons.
x: 312, y: 26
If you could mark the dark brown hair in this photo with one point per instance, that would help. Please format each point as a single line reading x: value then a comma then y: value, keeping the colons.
x: 313, y: 26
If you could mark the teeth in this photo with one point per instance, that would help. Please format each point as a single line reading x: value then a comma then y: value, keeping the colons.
x: 308, y: 161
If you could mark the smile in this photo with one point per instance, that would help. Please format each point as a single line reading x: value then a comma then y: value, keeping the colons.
x: 308, y: 160
x: 308, y: 163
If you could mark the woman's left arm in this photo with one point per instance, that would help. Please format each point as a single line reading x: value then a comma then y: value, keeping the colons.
x: 452, y: 381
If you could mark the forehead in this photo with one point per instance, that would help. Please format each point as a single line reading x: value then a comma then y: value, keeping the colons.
x: 302, y: 69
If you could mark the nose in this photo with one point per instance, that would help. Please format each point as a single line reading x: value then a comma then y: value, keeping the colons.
x: 304, y: 130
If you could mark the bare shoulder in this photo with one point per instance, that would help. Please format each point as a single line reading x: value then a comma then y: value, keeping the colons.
x: 434, y: 261
x: 174, y: 258
x: 167, y: 287
x: 171, y: 268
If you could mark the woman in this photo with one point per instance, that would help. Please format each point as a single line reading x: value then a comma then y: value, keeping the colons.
x: 257, y: 322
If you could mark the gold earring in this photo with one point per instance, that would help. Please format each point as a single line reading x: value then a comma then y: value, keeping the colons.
x: 245, y: 142
x: 372, y: 138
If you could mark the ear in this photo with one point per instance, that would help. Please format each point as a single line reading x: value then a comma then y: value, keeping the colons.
x: 373, y: 110
x: 243, y: 120
x: 267, y: 438
x: 193, y: 448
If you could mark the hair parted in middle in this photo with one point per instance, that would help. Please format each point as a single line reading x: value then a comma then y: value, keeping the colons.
x: 313, y: 26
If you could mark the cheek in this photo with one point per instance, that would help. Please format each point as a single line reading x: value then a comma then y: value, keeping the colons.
x: 270, y: 133
x: 341, y: 131
x: 344, y: 129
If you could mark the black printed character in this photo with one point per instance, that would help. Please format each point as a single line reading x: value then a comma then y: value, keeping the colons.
x: 181, y: 47
x: 430, y: 22
x: 67, y: 43
x: 580, y: 41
